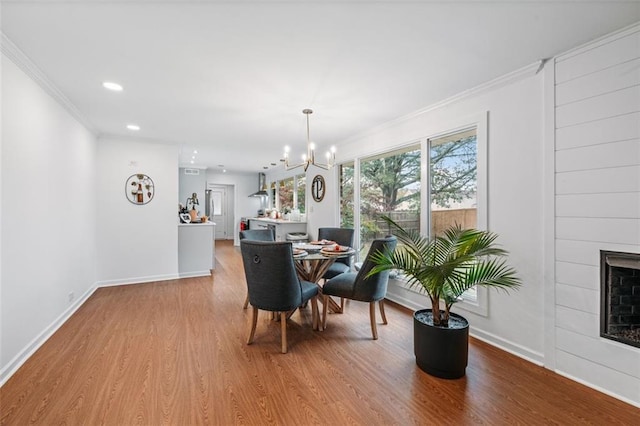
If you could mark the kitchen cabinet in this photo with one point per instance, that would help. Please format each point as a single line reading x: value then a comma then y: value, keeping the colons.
x: 281, y: 227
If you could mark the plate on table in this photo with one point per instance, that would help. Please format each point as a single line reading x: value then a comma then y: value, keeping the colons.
x: 336, y: 249
x: 299, y: 253
x: 307, y: 247
x: 322, y: 243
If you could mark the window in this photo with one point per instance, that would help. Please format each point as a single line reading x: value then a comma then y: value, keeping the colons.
x: 346, y: 195
x: 301, y: 190
x: 453, y: 184
x: 389, y: 185
x: 426, y: 186
x: 285, y: 194
x: 286, y: 199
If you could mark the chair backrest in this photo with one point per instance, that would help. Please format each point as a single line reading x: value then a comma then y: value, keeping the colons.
x: 257, y: 235
x: 342, y: 236
x: 374, y: 287
x: 272, y: 280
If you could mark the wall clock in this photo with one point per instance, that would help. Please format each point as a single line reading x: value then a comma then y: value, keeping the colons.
x: 318, y: 188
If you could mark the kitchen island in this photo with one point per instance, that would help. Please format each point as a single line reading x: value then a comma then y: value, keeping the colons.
x: 281, y: 227
x: 196, y: 249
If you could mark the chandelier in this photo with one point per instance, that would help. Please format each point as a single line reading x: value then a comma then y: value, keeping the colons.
x: 309, y: 158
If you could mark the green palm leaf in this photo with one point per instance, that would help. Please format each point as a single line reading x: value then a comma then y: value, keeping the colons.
x: 447, y: 266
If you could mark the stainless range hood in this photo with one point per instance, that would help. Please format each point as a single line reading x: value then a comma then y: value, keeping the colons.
x: 262, y: 186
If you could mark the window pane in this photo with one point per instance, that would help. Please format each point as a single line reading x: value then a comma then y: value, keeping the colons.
x: 285, y: 194
x: 346, y: 195
x: 217, y: 203
x: 453, y: 170
x: 301, y: 182
x: 389, y: 185
x: 453, y: 186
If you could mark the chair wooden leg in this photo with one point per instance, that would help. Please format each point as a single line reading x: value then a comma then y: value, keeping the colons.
x: 325, y: 304
x: 254, y: 321
x: 314, y: 314
x: 342, y: 305
x: 283, y: 328
x: 246, y: 302
x: 372, y: 315
x: 384, y: 316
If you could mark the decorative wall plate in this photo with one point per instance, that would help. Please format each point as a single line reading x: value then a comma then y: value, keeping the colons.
x: 139, y: 189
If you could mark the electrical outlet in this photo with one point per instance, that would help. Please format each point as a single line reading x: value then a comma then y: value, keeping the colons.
x: 71, y: 296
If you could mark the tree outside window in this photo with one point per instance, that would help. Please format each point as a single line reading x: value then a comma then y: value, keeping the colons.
x: 389, y: 185
x: 285, y: 194
x: 454, y: 184
x: 346, y: 195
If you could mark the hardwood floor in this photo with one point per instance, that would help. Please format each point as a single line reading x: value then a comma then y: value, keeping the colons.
x: 175, y: 352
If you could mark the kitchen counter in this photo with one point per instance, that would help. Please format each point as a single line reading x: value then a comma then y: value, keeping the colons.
x: 196, y: 249
x: 269, y: 220
x: 281, y: 227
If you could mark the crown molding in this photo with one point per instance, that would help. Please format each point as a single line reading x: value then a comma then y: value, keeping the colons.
x: 605, y: 39
x: 504, y: 80
x: 22, y: 61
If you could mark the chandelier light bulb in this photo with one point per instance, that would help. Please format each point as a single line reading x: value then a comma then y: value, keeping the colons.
x: 312, y: 146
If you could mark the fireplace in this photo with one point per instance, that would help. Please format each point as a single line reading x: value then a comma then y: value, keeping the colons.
x: 620, y: 297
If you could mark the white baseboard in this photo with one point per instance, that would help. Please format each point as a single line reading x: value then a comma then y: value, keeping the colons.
x: 206, y: 273
x: 598, y: 388
x: 138, y: 280
x: 506, y: 345
x: 22, y: 356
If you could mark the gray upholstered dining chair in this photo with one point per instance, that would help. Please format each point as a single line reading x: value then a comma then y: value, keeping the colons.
x: 344, y: 237
x: 256, y: 235
x: 274, y: 285
x: 357, y: 286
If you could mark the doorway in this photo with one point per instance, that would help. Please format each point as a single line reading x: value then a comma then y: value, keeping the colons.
x: 220, y: 206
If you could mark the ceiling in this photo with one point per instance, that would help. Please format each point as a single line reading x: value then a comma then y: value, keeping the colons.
x: 230, y: 78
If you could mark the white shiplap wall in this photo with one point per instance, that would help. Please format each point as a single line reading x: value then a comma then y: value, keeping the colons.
x: 597, y: 202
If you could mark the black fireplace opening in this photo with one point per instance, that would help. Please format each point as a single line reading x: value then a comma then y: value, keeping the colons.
x: 620, y: 297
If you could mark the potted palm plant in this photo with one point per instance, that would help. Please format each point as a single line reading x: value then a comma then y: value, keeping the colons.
x: 444, y: 268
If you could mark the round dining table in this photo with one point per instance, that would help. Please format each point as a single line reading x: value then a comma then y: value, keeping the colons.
x: 312, y: 265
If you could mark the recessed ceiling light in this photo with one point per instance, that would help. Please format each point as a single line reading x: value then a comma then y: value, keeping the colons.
x: 191, y: 161
x: 112, y: 86
x: 193, y: 157
x: 133, y: 127
x: 195, y: 151
x: 224, y: 170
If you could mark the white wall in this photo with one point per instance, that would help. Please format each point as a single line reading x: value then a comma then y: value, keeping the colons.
x: 136, y: 243
x: 244, y: 206
x: 188, y: 184
x: 48, y: 216
x: 324, y: 213
x: 514, y: 321
x: 597, y: 198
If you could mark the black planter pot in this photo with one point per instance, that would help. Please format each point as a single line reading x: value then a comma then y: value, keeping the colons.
x: 440, y: 351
